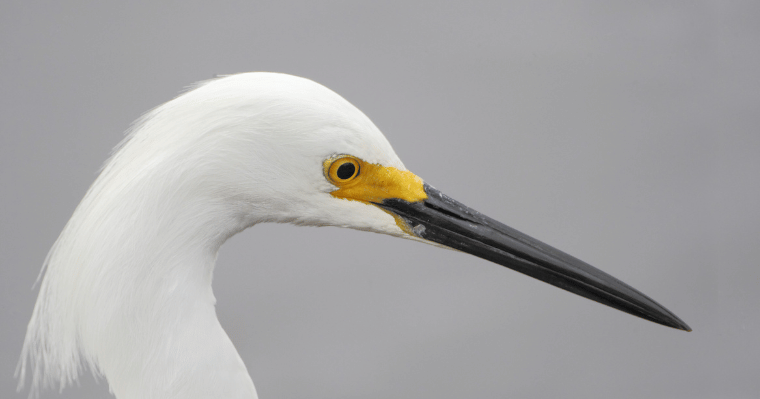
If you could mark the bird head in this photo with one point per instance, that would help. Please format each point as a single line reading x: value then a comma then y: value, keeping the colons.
x: 263, y: 147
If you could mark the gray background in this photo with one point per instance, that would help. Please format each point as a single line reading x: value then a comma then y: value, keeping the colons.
x: 624, y: 134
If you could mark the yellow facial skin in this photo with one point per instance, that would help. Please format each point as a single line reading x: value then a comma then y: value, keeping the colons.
x: 358, y: 180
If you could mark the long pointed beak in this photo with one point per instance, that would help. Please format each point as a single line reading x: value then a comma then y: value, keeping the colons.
x: 445, y: 221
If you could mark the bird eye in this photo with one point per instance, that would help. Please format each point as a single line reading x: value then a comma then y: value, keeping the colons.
x: 346, y: 171
x: 343, y: 169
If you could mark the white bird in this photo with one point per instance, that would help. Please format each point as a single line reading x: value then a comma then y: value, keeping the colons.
x: 126, y: 288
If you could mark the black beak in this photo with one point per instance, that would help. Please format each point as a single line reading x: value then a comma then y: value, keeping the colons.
x: 443, y: 220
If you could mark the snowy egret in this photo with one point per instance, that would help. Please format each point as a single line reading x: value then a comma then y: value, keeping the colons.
x: 126, y: 288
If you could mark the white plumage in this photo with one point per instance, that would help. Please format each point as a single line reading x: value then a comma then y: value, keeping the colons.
x: 126, y: 288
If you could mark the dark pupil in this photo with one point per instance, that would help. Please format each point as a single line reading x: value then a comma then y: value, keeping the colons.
x: 346, y: 170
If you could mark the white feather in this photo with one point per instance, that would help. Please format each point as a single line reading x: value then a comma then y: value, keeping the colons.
x: 126, y: 289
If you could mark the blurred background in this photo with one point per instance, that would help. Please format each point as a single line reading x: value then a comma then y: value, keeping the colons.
x: 625, y: 134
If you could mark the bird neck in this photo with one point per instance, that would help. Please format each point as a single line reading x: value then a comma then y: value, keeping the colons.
x: 163, y: 338
x: 170, y: 343
x: 127, y: 292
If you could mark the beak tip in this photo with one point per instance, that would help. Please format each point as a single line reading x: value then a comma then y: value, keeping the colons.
x: 676, y: 323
